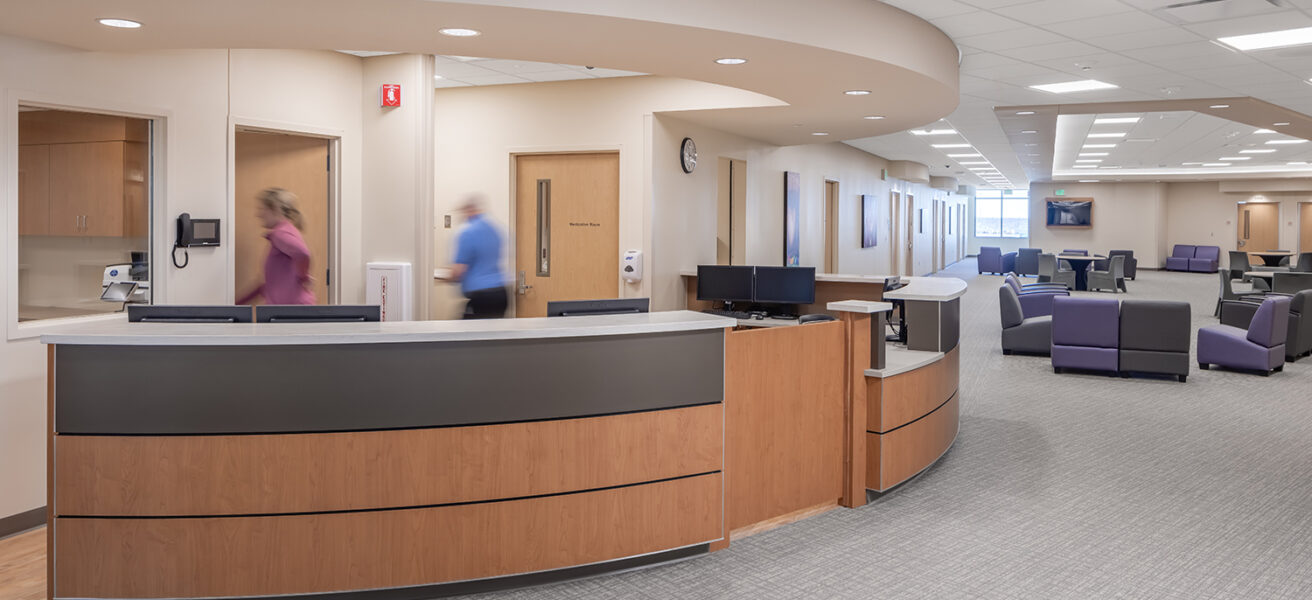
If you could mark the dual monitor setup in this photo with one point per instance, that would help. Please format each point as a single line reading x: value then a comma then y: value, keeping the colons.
x: 775, y: 289
x: 141, y: 313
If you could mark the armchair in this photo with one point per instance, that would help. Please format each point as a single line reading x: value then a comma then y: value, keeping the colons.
x: 990, y: 260
x: 1298, y: 337
x: 1050, y: 270
x: 1085, y: 334
x: 1179, y: 258
x: 1020, y: 334
x: 1304, y: 264
x: 1131, y: 263
x: 1155, y: 338
x: 1261, y: 348
x: 1205, y: 259
x: 1027, y: 261
x: 1034, y: 302
x: 1113, y: 277
x: 1289, y: 283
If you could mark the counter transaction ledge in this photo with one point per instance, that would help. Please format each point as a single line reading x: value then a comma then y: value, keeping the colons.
x: 416, y: 459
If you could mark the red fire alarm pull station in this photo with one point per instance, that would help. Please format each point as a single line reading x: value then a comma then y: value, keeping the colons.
x: 391, y: 94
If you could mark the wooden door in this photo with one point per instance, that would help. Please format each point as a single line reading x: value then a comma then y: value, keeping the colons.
x: 300, y: 165
x: 86, y: 189
x: 34, y: 190
x: 895, y: 221
x: 566, y: 229
x: 910, y: 267
x: 831, y: 227
x: 1305, y: 227
x: 1259, y: 226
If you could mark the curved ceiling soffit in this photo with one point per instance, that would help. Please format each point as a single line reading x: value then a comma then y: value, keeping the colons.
x: 798, y: 54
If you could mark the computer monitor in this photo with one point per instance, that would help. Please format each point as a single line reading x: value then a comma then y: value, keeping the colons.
x: 312, y: 313
x: 575, y: 308
x: 142, y: 313
x: 785, y: 285
x: 722, y: 282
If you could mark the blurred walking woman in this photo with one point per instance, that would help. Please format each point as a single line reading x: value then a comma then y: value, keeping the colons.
x: 287, y: 268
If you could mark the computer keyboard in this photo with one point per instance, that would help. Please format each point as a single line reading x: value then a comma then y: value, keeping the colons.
x: 733, y: 314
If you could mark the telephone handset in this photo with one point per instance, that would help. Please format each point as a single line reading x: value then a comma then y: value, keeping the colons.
x: 194, y: 232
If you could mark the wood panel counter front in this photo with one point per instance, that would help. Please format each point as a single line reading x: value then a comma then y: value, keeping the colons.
x: 268, y: 460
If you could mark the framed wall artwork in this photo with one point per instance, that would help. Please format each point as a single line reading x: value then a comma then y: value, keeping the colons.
x: 792, y: 219
x: 869, y: 221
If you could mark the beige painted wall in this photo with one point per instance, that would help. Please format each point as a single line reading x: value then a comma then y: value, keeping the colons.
x: 190, y: 92
x: 1126, y: 216
x: 1200, y: 213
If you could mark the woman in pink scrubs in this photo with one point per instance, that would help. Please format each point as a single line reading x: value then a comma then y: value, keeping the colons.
x: 287, y: 268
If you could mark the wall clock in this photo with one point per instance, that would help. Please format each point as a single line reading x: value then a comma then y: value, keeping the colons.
x: 688, y: 155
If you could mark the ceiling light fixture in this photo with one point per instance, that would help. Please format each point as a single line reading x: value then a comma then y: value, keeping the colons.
x: 460, y: 32
x: 119, y: 23
x: 1219, y: 106
x: 1025, y: 112
x: 1280, y: 124
x: 932, y: 131
x: 949, y: 145
x: 1273, y: 142
x: 1270, y: 39
x: 1265, y: 131
x: 820, y: 133
x: 967, y: 155
x: 1090, y: 180
x: 857, y: 92
x: 1191, y: 164
x: 1088, y: 160
x: 730, y: 61
x: 1086, y: 166
x: 1297, y: 163
x: 873, y: 117
x: 1100, y: 145
x: 1093, y: 154
x: 1235, y: 158
x: 1261, y: 151
x: 1115, y: 120
x: 1074, y: 86
x: 1106, y: 135
x: 1216, y: 164
x: 1028, y: 131
x: 973, y: 162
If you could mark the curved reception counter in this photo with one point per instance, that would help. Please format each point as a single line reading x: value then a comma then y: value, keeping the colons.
x: 260, y: 460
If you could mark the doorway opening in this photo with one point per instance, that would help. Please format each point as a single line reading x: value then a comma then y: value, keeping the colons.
x: 567, y: 210
x: 301, y: 164
x: 831, y: 226
x: 731, y: 212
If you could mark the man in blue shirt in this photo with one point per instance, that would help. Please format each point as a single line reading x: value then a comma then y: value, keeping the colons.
x: 478, y: 264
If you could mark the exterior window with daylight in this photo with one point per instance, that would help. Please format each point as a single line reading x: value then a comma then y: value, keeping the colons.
x: 1002, y: 213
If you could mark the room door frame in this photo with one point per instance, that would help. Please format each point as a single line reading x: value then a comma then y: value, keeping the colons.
x: 832, y: 193
x: 1239, y: 226
x: 334, y: 138
x: 1304, y: 226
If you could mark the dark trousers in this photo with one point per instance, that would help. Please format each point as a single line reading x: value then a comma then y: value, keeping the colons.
x: 490, y: 303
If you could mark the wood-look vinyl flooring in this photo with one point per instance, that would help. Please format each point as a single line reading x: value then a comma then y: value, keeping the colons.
x: 23, y: 566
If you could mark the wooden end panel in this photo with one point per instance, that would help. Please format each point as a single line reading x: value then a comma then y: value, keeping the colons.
x: 266, y: 556
x: 903, y: 398
x: 262, y: 474
x: 50, y: 469
x: 784, y: 416
x: 894, y: 457
x: 857, y: 353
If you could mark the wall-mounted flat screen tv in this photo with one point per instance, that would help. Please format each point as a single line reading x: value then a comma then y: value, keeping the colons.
x: 1070, y: 212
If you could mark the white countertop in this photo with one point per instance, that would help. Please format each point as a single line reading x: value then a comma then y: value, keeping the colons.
x: 122, y: 333
x: 899, y: 360
x: 930, y: 289
x: 859, y: 306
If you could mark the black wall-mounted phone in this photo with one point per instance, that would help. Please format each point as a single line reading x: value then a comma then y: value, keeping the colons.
x: 194, y: 232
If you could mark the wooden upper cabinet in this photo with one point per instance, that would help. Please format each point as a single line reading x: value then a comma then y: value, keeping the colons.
x: 34, y: 190
x: 74, y: 182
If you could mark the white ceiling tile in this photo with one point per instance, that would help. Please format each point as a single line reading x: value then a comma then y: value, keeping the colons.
x: 1017, y: 38
x: 974, y: 23
x: 985, y: 60
x: 1009, y: 73
x: 1044, y: 12
x: 1050, y: 51
x: 447, y: 83
x: 600, y: 72
x: 1126, y: 22
x: 991, y: 4
x: 457, y: 70
x: 516, y: 67
x: 1200, y: 51
x: 1144, y: 39
x: 1276, y: 21
x: 561, y: 75
x: 931, y: 9
x: 492, y: 79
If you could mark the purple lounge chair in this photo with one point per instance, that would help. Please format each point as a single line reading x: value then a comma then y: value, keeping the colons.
x: 1180, y: 257
x: 1205, y: 259
x: 990, y: 260
x: 1085, y: 334
x: 1035, y: 302
x: 1261, y: 348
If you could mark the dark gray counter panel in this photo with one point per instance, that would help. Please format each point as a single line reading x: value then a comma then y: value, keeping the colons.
x: 348, y: 387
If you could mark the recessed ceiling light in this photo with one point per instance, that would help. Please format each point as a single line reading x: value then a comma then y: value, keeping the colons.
x: 1139, y: 140
x: 1191, y: 164
x: 1216, y: 164
x: 1258, y: 151
x: 437, y: 77
x: 1280, y: 124
x: 730, y: 61
x: 1115, y: 120
x: 1025, y: 112
x: 857, y: 92
x: 1109, y: 167
x: 873, y: 117
x: 1219, y: 106
x: 1100, y: 145
x: 1074, y: 86
x: 459, y: 32
x: 1297, y: 163
x: 1093, y: 154
x: 949, y: 145
x: 1273, y: 142
x: 1086, y: 166
x: 967, y: 155
x: 1088, y: 160
x: 1107, y: 135
x: 1235, y: 158
x: 973, y: 162
x: 820, y: 133
x: 120, y: 23
x: 1265, y: 131
x: 932, y: 131
x: 1270, y: 39
x: 1029, y: 131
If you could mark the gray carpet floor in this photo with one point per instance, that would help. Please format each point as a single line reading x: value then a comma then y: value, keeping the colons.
x: 1059, y: 486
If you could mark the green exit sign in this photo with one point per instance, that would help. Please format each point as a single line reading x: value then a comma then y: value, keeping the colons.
x: 1061, y: 192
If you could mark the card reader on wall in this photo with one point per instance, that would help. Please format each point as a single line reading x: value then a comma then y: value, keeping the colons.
x: 194, y: 232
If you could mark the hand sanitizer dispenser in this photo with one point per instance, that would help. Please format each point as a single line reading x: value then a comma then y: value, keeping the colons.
x: 631, y: 266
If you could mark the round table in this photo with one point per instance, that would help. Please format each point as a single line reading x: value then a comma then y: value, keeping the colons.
x: 1080, y: 263
x: 1272, y: 258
